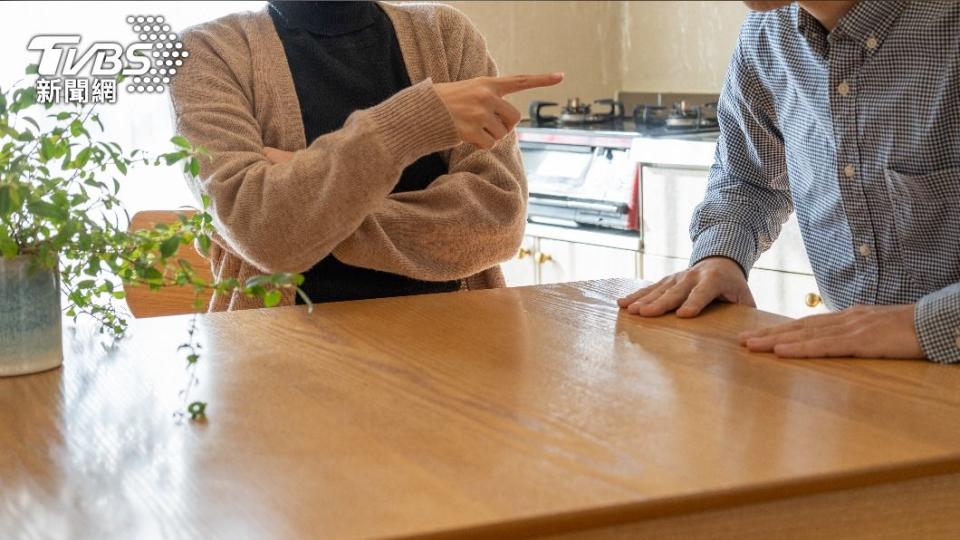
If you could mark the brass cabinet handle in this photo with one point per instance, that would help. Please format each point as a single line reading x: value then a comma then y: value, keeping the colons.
x: 524, y: 253
x: 813, y: 300
x: 543, y: 258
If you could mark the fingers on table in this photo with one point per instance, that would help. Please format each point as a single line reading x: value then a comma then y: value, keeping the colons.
x: 819, y: 347
x: 768, y: 342
x: 699, y: 298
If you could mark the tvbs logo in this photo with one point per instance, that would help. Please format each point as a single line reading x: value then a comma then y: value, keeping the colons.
x: 146, y: 65
x: 59, y: 56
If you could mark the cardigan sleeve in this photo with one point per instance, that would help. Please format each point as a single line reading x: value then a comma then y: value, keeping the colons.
x: 288, y: 216
x: 466, y: 221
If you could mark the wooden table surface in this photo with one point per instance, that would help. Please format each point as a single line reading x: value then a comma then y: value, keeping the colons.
x: 503, y: 412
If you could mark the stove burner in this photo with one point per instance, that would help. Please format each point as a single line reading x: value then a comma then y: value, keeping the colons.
x: 576, y: 112
x: 678, y: 117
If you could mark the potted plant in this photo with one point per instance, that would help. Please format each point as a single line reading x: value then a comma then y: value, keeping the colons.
x: 64, y: 243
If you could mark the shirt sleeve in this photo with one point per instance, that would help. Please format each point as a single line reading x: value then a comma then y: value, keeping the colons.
x: 937, y: 321
x: 748, y: 196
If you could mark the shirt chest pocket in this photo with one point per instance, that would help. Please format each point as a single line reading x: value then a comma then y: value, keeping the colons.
x: 927, y: 220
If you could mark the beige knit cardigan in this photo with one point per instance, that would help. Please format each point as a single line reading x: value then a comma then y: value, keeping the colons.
x: 234, y: 95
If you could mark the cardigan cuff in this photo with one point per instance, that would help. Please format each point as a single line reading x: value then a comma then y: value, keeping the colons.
x: 414, y: 123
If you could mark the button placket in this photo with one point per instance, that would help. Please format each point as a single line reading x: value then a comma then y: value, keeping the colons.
x: 845, y: 60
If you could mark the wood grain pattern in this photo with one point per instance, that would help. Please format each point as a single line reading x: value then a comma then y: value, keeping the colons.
x: 170, y: 300
x: 508, y: 412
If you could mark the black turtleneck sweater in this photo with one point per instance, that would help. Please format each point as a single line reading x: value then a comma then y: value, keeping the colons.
x: 344, y: 56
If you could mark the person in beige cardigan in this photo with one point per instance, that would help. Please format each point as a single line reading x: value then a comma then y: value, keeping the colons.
x: 280, y: 205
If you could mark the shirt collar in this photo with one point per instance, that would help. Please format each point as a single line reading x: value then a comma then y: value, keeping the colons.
x: 325, y: 18
x: 867, y: 19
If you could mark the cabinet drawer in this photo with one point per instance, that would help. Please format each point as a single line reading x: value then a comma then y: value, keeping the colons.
x: 521, y: 270
x: 566, y: 261
x: 785, y: 293
x: 669, y: 197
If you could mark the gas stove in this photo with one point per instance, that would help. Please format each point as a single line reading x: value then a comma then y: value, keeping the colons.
x: 646, y: 119
x: 577, y: 157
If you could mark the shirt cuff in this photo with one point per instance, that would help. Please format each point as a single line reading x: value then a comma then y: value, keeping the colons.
x: 726, y: 240
x: 937, y: 320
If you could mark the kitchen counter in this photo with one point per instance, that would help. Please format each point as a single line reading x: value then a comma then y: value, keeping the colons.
x: 491, y: 413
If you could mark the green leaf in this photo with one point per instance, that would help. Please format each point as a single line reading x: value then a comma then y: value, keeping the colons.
x: 197, y: 410
x: 169, y: 246
x: 180, y: 141
x: 8, y: 247
x: 82, y: 158
x: 32, y: 122
x: 47, y: 210
x: 9, y: 199
x: 23, y: 98
x: 205, y: 199
x: 272, y: 298
x: 174, y: 157
x: 194, y: 166
x: 204, y: 242
x: 32, y: 69
x: 76, y: 128
x: 86, y: 284
x: 9, y: 131
x: 149, y: 273
x: 48, y: 149
x: 257, y: 281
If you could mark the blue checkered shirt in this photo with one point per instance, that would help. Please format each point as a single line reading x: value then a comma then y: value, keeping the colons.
x: 858, y: 130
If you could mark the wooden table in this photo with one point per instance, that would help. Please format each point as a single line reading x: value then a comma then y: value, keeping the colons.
x: 501, y: 413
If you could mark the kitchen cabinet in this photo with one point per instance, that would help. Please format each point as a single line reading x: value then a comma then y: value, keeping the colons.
x: 522, y: 269
x: 547, y: 260
x: 669, y: 197
x: 562, y: 261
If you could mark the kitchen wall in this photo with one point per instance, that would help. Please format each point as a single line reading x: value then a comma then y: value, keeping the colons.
x: 605, y: 46
x: 579, y: 38
x: 678, y: 46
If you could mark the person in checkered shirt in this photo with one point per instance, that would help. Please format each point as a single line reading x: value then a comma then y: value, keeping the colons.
x: 849, y: 114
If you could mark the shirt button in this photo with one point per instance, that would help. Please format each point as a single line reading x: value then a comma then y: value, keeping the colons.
x: 849, y: 171
x: 843, y: 88
x: 872, y: 42
x: 864, y: 250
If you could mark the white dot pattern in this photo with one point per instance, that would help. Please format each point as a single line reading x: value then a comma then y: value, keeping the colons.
x: 166, y: 44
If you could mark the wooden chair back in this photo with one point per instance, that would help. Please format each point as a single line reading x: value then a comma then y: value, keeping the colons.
x: 170, y: 300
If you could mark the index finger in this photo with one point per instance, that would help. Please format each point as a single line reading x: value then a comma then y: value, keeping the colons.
x: 519, y: 83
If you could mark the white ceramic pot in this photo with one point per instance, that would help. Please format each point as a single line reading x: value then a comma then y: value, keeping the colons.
x: 30, y: 315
